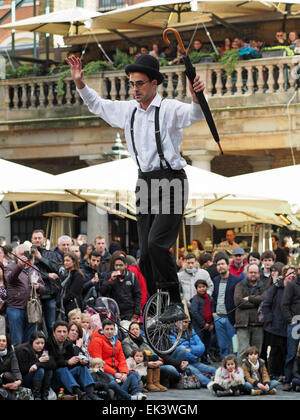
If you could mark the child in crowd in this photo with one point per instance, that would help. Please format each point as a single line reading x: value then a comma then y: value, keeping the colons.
x: 229, y: 378
x: 86, y: 328
x: 75, y: 316
x: 201, y: 310
x: 256, y: 374
x: 296, y: 373
x: 102, y: 380
x: 138, y: 363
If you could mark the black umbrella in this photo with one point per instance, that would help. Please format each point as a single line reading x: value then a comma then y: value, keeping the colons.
x: 191, y: 74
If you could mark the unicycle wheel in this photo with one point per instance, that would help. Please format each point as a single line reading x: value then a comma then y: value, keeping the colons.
x: 158, y: 333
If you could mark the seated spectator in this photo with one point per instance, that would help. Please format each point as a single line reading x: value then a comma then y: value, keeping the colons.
x: 36, y: 365
x: 226, y: 46
x: 3, y: 298
x: 202, y: 307
x: 102, y: 379
x: 280, y: 39
x: 238, y: 263
x: 197, y: 46
x: 155, y: 51
x: 229, y: 378
x: 70, y: 371
x: 18, y: 294
x: 170, y: 368
x: 76, y: 337
x: 229, y: 243
x: 194, y: 348
x: 137, y: 362
x: 191, y: 272
x: 10, y: 375
x: 257, y: 379
x: 124, y: 288
x: 115, y: 362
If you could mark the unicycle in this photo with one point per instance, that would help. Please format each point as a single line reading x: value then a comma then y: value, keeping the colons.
x: 158, y: 333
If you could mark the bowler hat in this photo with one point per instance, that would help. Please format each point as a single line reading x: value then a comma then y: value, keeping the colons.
x: 147, y: 64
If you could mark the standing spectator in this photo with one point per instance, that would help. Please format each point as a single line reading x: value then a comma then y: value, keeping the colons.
x: 106, y: 346
x: 226, y: 46
x: 36, y: 366
x: 248, y: 295
x: 229, y: 243
x: 198, y: 46
x: 267, y: 260
x: 254, y: 258
x: 71, y: 294
x: 280, y: 39
x: 238, y: 263
x: 279, y: 252
x: 202, y: 307
x: 3, y: 298
x: 63, y: 245
x: 70, y: 371
x: 90, y: 271
x: 197, y: 247
x: 124, y: 288
x: 290, y: 308
x: 48, y: 264
x: 155, y: 51
x: 206, y: 262
x: 294, y: 41
x: 105, y: 256
x: 10, y: 375
x: 190, y: 273
x: 20, y: 277
x: 276, y: 271
x: 275, y: 325
x: 223, y: 295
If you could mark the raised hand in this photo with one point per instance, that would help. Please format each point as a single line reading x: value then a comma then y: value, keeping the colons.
x: 76, y: 71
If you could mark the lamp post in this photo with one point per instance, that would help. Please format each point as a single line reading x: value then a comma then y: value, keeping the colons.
x: 118, y: 151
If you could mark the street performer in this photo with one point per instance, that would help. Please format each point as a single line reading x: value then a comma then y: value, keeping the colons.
x: 153, y: 132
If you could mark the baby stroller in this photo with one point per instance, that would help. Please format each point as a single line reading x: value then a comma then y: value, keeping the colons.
x: 106, y: 308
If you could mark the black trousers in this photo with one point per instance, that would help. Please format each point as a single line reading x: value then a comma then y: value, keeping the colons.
x: 161, y: 197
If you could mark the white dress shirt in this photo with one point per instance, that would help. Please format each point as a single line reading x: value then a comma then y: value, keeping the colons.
x: 173, y: 117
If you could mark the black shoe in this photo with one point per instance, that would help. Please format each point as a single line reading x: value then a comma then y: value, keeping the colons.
x: 174, y: 312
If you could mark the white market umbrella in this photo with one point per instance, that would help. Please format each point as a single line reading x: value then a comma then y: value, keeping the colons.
x: 62, y: 22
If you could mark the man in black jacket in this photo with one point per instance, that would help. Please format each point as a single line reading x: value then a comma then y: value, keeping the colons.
x: 123, y: 286
x: 48, y: 264
x: 71, y: 371
x: 290, y: 308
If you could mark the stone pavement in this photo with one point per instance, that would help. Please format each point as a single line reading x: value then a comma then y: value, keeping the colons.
x: 204, y: 394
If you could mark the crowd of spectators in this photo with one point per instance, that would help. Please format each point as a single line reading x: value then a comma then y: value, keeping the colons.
x: 242, y: 310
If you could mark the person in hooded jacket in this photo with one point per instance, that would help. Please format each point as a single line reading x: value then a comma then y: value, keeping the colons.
x: 36, y: 365
x: 10, y: 375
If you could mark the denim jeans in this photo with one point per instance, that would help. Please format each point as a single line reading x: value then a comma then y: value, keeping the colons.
x: 199, y: 369
x: 224, y: 331
x: 292, y: 347
x: 78, y: 376
x: 40, y: 374
x: 249, y: 387
x: 130, y: 387
x: 49, y: 313
x: 20, y: 329
x: 169, y: 371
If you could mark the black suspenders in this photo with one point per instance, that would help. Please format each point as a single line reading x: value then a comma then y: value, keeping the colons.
x: 157, y: 138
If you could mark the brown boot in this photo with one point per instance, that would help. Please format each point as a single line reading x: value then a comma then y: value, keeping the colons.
x: 150, y: 385
x: 156, y: 380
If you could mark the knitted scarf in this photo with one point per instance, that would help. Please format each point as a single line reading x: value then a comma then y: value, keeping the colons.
x: 255, y: 370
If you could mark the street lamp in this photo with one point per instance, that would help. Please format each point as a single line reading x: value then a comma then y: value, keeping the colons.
x: 118, y: 151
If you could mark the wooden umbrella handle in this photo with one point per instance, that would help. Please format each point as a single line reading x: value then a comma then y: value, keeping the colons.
x: 178, y: 37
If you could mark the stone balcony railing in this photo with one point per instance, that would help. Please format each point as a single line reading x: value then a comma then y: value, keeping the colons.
x: 31, y: 97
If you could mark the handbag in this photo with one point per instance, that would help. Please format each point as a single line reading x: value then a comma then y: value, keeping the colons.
x: 188, y: 380
x: 34, y: 308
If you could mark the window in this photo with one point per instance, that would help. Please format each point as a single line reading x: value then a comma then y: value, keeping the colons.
x: 79, y: 3
x: 105, y: 5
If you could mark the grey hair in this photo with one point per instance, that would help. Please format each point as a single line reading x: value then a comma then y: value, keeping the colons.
x: 64, y: 238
